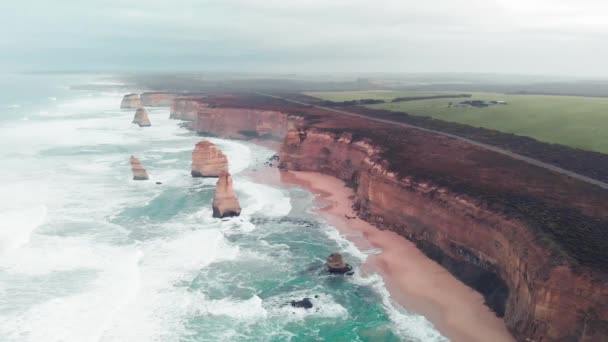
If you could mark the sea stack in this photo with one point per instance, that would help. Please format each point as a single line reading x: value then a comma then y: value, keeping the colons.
x: 141, y: 117
x: 225, y: 203
x: 139, y: 173
x: 336, y: 265
x: 130, y: 101
x: 208, y: 160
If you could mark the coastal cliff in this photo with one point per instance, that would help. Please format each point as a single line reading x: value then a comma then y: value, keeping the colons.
x: 241, y: 123
x: 158, y: 99
x: 543, y: 297
x: 185, y: 108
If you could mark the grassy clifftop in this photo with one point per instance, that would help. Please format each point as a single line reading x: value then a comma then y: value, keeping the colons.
x: 580, y: 122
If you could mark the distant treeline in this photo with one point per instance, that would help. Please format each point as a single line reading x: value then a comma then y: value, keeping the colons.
x: 327, y: 103
x: 414, y: 98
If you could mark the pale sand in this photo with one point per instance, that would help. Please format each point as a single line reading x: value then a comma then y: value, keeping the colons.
x: 413, y: 280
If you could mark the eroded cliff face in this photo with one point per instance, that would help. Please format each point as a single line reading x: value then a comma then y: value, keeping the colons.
x: 184, y: 108
x: 158, y: 99
x: 130, y: 101
x: 542, y: 299
x: 242, y: 123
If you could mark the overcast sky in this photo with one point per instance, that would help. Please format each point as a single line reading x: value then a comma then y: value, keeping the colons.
x: 556, y: 37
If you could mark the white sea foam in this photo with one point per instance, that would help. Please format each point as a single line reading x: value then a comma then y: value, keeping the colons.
x: 404, y: 323
x: 250, y: 309
x: 263, y: 199
x: 343, y: 243
x: 239, y: 154
x: 17, y: 226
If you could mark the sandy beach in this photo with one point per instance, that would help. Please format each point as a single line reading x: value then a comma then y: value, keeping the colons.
x: 414, y: 281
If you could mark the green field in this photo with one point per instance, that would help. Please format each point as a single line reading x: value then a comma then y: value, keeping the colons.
x: 568, y: 120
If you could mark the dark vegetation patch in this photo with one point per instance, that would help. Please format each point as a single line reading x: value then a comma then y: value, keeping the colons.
x: 416, y: 98
x: 250, y: 134
x: 327, y: 103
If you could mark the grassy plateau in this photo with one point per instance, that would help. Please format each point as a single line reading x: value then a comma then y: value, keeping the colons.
x: 575, y: 121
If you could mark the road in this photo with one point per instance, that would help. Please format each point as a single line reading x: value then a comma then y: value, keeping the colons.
x: 525, y: 159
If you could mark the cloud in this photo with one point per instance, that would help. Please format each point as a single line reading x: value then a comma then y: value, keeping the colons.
x: 540, y: 36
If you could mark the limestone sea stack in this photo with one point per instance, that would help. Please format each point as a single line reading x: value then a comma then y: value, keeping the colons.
x: 336, y: 264
x: 139, y: 173
x: 130, y: 101
x: 208, y: 160
x: 141, y: 117
x: 225, y: 203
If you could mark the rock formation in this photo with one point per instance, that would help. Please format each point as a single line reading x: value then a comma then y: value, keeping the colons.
x: 157, y: 98
x: 225, y: 203
x: 130, y: 101
x: 335, y: 264
x: 139, y: 173
x: 141, y: 117
x: 305, y: 303
x: 242, y: 123
x: 208, y: 160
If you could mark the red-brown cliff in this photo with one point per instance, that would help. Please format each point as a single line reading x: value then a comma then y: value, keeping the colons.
x: 243, y: 123
x: 542, y: 292
x: 208, y: 160
x: 158, y: 99
x: 186, y: 108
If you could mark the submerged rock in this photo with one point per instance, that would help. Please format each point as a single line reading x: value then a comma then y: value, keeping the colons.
x: 141, y: 117
x: 208, y: 160
x: 130, y: 101
x: 336, y: 264
x: 225, y: 203
x: 304, y: 303
x: 139, y: 173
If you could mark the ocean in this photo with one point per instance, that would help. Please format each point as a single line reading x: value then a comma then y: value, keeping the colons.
x: 88, y: 254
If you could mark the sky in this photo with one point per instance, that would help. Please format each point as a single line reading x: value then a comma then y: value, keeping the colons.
x: 549, y: 37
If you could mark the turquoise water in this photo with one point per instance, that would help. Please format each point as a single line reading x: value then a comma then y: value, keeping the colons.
x: 87, y: 254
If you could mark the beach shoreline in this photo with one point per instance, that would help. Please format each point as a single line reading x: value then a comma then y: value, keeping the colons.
x: 413, y: 280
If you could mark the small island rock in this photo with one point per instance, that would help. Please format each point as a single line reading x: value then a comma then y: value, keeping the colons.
x: 208, y: 160
x: 141, y: 117
x: 336, y: 264
x: 225, y: 203
x: 139, y: 173
x: 304, y: 303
